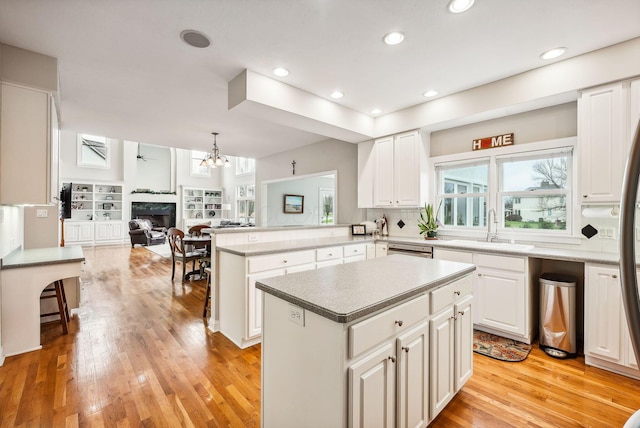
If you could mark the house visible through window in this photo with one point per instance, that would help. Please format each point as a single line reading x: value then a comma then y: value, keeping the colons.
x: 463, y: 194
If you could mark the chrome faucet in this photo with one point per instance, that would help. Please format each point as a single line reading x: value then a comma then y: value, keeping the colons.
x: 494, y: 235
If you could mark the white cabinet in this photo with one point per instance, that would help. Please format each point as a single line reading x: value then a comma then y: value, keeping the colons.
x: 397, y: 170
x: 607, y: 342
x: 95, y: 201
x: 381, y: 249
x: 354, y: 253
x: 451, y: 338
x: 109, y: 231
x: 607, y: 118
x: 28, y: 156
x: 78, y: 232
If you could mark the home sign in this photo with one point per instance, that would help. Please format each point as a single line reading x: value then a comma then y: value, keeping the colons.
x: 493, y: 142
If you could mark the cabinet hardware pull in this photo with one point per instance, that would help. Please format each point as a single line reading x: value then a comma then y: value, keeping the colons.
x: 393, y: 359
x: 453, y: 318
x: 284, y: 261
x: 330, y: 255
x: 457, y: 293
x: 585, y: 196
x: 405, y: 349
x: 399, y: 322
x: 460, y: 313
x: 479, y: 274
x: 614, y: 276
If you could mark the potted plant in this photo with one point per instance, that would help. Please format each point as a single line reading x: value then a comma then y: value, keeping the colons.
x: 428, y: 224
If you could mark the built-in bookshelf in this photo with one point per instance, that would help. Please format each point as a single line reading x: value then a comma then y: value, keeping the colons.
x: 95, y: 202
x: 202, y: 205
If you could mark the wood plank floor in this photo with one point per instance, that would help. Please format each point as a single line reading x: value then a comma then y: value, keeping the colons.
x: 139, y: 354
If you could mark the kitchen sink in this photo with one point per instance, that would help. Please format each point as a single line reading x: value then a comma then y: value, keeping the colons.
x: 490, y: 245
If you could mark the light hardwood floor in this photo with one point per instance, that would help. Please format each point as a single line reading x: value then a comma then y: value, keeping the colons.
x: 139, y: 354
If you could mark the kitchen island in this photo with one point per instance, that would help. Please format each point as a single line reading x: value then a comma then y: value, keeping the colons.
x: 369, y: 343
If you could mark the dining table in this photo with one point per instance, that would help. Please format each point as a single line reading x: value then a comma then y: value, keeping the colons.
x: 200, y: 243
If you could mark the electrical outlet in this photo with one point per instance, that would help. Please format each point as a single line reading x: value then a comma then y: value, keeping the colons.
x: 252, y: 237
x: 296, y: 314
x: 42, y: 213
x: 332, y: 232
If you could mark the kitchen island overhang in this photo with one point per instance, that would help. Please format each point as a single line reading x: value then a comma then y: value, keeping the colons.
x: 333, y: 337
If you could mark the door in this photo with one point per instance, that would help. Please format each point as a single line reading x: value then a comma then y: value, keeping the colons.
x: 464, y: 341
x: 604, y: 307
x: 500, y: 301
x: 441, y: 340
x: 413, y: 377
x: 406, y: 173
x: 372, y: 390
x: 254, y: 302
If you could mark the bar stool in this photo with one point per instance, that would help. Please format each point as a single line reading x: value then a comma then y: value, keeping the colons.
x: 57, y: 292
x: 208, y: 293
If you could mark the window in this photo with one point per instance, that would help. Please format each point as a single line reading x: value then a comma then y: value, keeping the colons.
x: 196, y: 160
x: 245, y: 166
x: 534, y: 189
x: 245, y: 203
x: 93, y: 151
x: 463, y: 194
x: 530, y: 191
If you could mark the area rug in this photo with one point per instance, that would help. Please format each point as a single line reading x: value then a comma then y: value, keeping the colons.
x: 498, y: 347
x: 162, y: 250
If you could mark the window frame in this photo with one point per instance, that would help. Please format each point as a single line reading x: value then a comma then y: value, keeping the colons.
x: 569, y: 236
x: 245, y: 166
x: 195, y: 169
x: 82, y: 162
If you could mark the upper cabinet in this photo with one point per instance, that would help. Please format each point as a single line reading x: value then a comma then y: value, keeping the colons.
x: 390, y: 172
x: 28, y: 146
x: 607, y: 118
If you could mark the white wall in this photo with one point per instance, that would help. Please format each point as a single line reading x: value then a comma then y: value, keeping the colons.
x: 11, y: 227
x: 309, y: 188
x: 154, y: 169
x: 323, y: 156
x: 69, y: 168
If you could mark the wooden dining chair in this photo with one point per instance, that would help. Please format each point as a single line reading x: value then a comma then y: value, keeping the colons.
x: 179, y: 254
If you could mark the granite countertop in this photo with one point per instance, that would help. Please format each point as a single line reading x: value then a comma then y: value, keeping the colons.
x: 42, y: 257
x: 348, y: 292
x: 262, y: 248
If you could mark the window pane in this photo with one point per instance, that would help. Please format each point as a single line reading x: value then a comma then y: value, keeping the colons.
x: 463, y: 211
x: 534, y: 174
x: 467, y: 177
x: 535, y: 212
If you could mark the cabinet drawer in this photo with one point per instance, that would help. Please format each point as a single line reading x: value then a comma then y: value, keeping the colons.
x: 376, y: 329
x: 499, y: 262
x: 329, y: 253
x: 355, y: 250
x: 280, y: 260
x: 448, y: 294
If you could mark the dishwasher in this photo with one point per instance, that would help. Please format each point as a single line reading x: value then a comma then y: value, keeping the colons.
x: 408, y: 249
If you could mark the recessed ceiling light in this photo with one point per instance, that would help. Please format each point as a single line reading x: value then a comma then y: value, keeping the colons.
x: 281, y: 72
x: 393, y: 38
x: 195, y: 38
x: 430, y: 93
x: 337, y: 94
x: 459, y: 6
x: 553, y: 53
x: 376, y: 111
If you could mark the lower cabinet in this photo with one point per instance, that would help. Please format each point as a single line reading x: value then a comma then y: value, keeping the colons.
x: 78, y: 233
x: 109, y: 231
x: 393, y: 378
x: 607, y: 343
x: 89, y: 232
x: 451, y: 336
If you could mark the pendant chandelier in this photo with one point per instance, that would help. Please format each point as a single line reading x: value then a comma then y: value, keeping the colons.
x: 215, y: 159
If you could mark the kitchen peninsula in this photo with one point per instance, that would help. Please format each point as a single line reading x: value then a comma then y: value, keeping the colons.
x: 336, y: 341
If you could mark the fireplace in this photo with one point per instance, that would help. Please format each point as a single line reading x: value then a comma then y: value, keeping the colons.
x: 161, y: 214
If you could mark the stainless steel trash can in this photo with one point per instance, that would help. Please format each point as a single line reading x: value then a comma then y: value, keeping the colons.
x: 558, y: 314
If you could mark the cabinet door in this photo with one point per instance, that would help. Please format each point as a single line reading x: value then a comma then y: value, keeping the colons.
x: 25, y: 132
x: 117, y: 230
x: 601, y: 144
x: 103, y: 231
x: 464, y: 341
x: 71, y: 232
x: 500, y: 300
x: 372, y: 390
x: 85, y: 232
x: 413, y: 377
x: 254, y: 302
x: 381, y: 250
x: 603, y: 313
x: 406, y: 170
x: 442, y: 346
x: 371, y: 251
x: 383, y: 179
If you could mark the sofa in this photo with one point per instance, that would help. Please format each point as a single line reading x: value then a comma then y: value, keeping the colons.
x: 141, y: 231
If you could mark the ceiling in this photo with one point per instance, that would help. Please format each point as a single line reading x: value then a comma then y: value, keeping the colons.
x: 125, y: 73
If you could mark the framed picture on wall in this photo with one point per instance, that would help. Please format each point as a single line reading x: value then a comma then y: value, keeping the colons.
x: 293, y: 204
